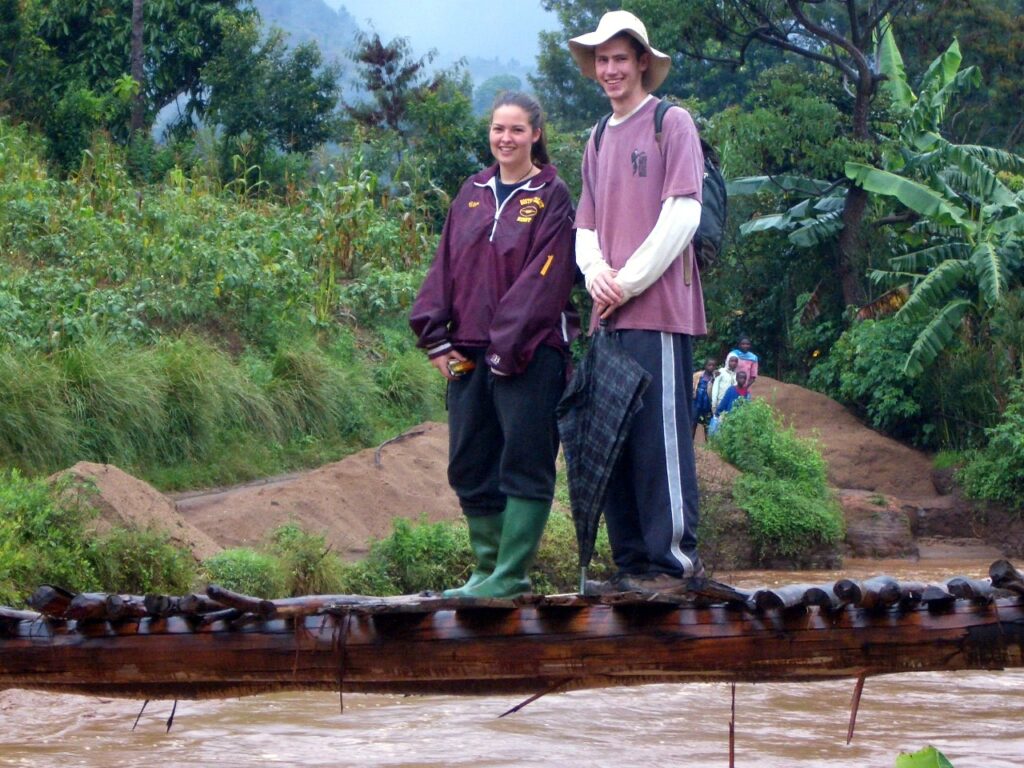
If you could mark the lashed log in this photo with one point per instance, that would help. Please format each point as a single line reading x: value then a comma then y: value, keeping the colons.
x: 123, y: 607
x: 977, y: 590
x: 88, y: 606
x: 50, y: 600
x: 789, y: 596
x: 936, y: 597
x: 11, y: 618
x: 426, y: 644
x: 243, y: 603
x: 876, y: 592
x: 1005, y: 576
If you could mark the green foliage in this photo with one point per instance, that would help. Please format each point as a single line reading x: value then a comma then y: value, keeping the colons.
x: 961, y: 250
x: 178, y: 330
x: 862, y: 370
x: 133, y: 561
x: 997, y: 471
x: 247, y: 571
x: 783, y: 488
x: 414, y: 558
x: 787, y: 518
x: 929, y: 757
x: 754, y: 440
x: 260, y: 87
x: 41, y: 538
x: 309, y: 566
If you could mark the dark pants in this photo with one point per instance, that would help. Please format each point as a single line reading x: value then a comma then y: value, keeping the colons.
x: 651, y: 507
x: 503, y: 434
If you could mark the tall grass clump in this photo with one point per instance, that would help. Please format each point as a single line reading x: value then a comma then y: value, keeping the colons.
x: 205, y: 394
x: 37, y: 433
x: 784, y: 488
x: 314, y: 395
x: 115, y: 397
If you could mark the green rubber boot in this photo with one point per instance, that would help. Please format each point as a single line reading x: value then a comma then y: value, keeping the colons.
x: 484, y: 535
x: 520, y: 538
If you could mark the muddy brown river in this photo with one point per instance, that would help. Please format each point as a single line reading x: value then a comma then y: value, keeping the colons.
x: 975, y: 718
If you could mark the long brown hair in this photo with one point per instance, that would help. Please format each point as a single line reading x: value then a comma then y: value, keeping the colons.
x: 529, y: 105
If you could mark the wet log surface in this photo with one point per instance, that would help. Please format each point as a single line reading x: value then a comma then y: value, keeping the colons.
x: 128, y: 645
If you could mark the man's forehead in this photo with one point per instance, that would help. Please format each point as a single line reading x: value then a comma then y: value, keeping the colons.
x: 614, y: 46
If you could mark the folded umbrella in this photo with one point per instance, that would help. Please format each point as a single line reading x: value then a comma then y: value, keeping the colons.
x: 594, y: 416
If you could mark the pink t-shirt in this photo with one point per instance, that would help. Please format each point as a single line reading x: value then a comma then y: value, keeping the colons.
x: 624, y: 186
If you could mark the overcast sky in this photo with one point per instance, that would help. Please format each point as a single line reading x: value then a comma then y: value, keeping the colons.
x: 458, y: 27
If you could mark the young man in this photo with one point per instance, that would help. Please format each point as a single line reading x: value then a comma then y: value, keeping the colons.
x: 639, y: 209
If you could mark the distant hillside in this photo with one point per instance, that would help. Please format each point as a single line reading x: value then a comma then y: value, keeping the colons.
x: 313, y: 20
x: 335, y: 32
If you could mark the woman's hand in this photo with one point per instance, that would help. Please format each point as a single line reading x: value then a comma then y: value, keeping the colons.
x: 441, y: 363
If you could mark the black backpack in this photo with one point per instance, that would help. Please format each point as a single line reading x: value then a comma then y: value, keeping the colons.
x: 707, y: 242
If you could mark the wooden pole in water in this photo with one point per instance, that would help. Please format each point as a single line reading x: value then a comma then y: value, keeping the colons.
x: 855, y: 706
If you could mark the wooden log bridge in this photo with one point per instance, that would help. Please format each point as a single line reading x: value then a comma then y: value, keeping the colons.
x: 222, y: 644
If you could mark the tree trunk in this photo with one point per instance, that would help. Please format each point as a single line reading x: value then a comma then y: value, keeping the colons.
x: 138, y: 120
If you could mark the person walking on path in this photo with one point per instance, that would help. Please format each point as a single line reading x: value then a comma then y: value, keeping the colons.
x: 725, y: 378
x: 703, y: 383
x: 747, y: 359
x: 639, y: 209
x: 494, y: 317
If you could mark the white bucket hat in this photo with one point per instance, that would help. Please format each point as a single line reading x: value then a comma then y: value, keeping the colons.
x: 611, y: 24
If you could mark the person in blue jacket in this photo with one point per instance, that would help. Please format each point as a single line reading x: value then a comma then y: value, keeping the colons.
x: 494, y: 318
x: 739, y: 391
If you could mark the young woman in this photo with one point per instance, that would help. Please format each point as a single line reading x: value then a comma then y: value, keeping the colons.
x: 495, y: 320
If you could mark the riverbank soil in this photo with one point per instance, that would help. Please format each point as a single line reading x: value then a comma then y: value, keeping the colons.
x: 895, y: 505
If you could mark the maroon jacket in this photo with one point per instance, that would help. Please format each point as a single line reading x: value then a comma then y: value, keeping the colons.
x: 501, y: 278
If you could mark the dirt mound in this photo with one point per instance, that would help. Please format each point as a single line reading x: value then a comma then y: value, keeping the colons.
x: 857, y: 457
x: 349, y: 502
x: 126, y: 501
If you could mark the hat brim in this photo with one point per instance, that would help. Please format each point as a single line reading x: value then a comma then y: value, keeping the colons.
x: 582, y: 49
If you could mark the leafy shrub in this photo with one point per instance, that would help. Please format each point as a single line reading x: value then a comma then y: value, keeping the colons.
x: 864, y: 369
x: 134, y: 561
x: 753, y: 439
x: 247, y: 571
x: 42, y: 538
x: 784, y: 488
x: 420, y: 556
x: 787, y: 518
x: 309, y: 566
x: 997, y: 471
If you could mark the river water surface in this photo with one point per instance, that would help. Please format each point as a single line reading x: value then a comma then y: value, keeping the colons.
x: 975, y: 718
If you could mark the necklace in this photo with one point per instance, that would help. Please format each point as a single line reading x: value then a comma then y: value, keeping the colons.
x: 516, y: 181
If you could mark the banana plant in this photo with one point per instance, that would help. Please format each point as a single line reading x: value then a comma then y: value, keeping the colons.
x: 962, y: 222
x: 815, y: 219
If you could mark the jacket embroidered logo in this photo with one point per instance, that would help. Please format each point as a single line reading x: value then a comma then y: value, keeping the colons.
x: 474, y: 203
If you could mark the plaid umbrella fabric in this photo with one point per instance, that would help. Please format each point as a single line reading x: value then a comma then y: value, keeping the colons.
x: 593, y: 420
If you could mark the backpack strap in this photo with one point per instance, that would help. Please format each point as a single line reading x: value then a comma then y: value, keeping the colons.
x: 599, y: 130
x: 659, y: 118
